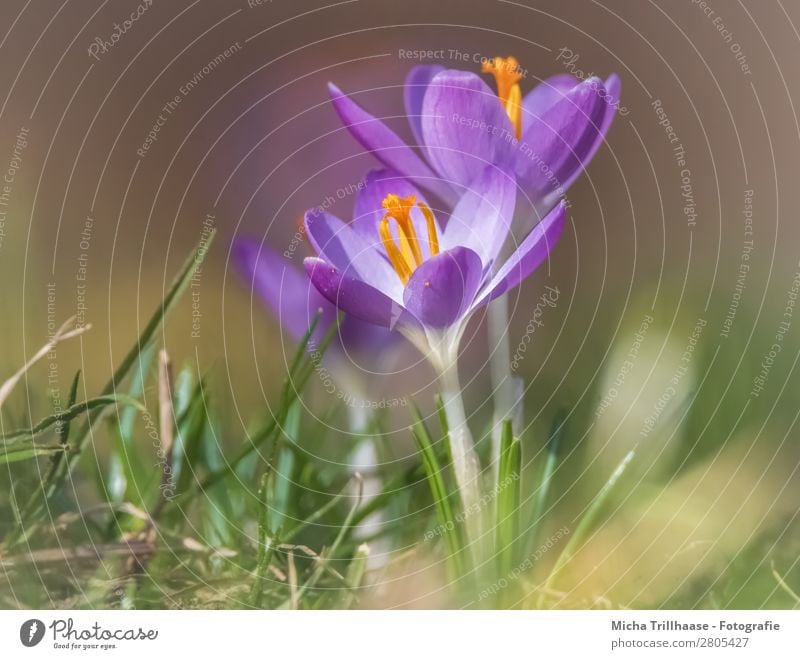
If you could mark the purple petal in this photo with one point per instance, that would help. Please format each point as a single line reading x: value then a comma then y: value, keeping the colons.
x: 380, y: 140
x: 350, y: 253
x: 286, y: 289
x: 555, y: 145
x: 613, y: 87
x: 441, y: 290
x: 527, y: 257
x: 368, y: 211
x: 542, y: 97
x: 417, y: 82
x: 482, y: 218
x: 354, y: 296
x: 360, y: 336
x: 464, y: 127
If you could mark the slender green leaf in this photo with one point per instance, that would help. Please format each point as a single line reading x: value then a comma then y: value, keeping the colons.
x: 449, y: 527
x: 126, y: 466
x: 67, y: 415
x: 317, y: 514
x: 63, y: 427
x: 28, y: 452
x: 507, y: 499
x: 325, y: 557
x: 178, y: 286
x: 783, y: 585
x: 543, y: 491
x: 585, y: 526
x: 285, y: 463
x: 355, y: 576
x: 393, y: 487
x: 192, y: 427
x: 136, y: 389
x: 266, y: 542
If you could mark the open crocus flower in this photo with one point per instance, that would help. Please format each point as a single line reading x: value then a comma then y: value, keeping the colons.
x: 295, y: 302
x: 285, y: 289
x: 394, y: 266
x: 545, y: 138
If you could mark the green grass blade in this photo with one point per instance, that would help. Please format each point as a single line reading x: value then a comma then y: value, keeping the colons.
x: 285, y: 463
x: 62, y: 432
x: 392, y: 488
x: 68, y: 415
x: 450, y: 526
x: 63, y: 428
x: 585, y: 526
x: 192, y: 426
x: 178, y: 286
x: 300, y: 371
x: 135, y: 390
x: 543, y: 491
x: 783, y: 585
x: 355, y: 576
x: 52, y: 485
x: 266, y: 543
x: 326, y: 556
x: 317, y: 514
x: 28, y: 452
x: 124, y: 463
x: 507, y: 499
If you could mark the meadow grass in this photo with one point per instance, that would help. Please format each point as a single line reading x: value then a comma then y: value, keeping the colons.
x: 169, y: 515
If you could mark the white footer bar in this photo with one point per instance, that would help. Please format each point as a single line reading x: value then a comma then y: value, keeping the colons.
x: 401, y: 634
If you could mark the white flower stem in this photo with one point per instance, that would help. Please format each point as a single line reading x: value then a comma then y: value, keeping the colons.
x: 441, y: 350
x: 465, y: 460
x: 500, y: 370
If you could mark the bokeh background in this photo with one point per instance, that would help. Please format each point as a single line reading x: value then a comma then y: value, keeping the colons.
x: 255, y: 142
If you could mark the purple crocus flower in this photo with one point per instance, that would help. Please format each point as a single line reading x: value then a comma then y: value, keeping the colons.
x: 288, y: 292
x: 283, y: 287
x: 545, y: 138
x: 394, y: 266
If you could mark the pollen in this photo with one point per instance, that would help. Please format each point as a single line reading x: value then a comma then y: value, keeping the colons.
x: 507, y: 74
x: 405, y: 254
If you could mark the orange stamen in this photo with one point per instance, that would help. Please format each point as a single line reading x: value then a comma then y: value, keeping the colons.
x: 405, y: 255
x: 399, y: 208
x: 433, y: 238
x: 507, y: 74
x: 514, y: 110
x: 396, y: 258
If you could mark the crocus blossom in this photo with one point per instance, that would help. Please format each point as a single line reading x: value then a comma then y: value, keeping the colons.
x: 395, y: 266
x: 544, y: 138
x: 289, y: 294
